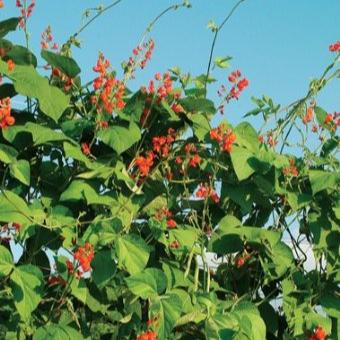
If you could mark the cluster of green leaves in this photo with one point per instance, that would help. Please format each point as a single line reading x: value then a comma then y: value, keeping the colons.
x: 62, y: 199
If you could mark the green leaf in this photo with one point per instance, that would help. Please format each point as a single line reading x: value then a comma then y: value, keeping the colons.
x: 57, y: 332
x: 21, y: 171
x: 148, y: 283
x: 222, y: 62
x: 22, y: 56
x: 8, y: 25
x: 247, y: 136
x: 193, y: 105
x: 26, y: 284
x: 167, y: 310
x: 7, y: 154
x: 331, y: 305
x: 13, y: 208
x: 240, y: 158
x: 320, y: 115
x: 27, y: 82
x: 81, y: 190
x: 104, y: 268
x: 65, y: 64
x: 251, y: 322
x: 321, y: 180
x: 120, y: 138
x: 133, y: 253
x: 201, y: 126
x: 6, y: 261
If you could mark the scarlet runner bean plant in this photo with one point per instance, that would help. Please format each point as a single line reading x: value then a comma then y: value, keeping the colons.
x: 117, y: 199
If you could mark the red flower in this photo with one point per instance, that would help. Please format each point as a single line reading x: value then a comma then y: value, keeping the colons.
x: 335, y: 47
x: 85, y: 149
x: 16, y: 226
x: 2, y: 5
x: 328, y: 119
x: 5, y: 113
x: 239, y: 261
x: 85, y: 255
x: 171, y: 224
x: 308, y: 116
x: 145, y: 163
x: 242, y: 84
x: 291, y: 170
x: 149, y: 335
x: 319, y: 334
x: 214, y: 197
x: 194, y: 161
x: 10, y: 65
x: 228, y: 141
x: 202, y: 191
x: 70, y: 267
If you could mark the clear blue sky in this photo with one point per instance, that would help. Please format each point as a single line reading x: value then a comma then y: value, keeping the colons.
x: 279, y: 45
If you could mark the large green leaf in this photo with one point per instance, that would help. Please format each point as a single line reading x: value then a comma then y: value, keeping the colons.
x: 65, y: 64
x: 21, y: 171
x: 133, y: 253
x: 240, y: 158
x: 27, y: 82
x: 250, y: 321
x: 120, y: 138
x: 148, y: 283
x: 321, y: 180
x: 193, y: 105
x: 8, y: 25
x: 22, y: 56
x: 6, y: 261
x: 104, y: 268
x: 201, y: 126
x: 13, y: 208
x: 57, y: 332
x: 7, y: 153
x: 26, y: 284
x: 167, y: 310
x: 247, y: 136
x: 82, y: 190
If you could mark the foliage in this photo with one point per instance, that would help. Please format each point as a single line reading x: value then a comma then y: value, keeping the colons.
x: 117, y: 198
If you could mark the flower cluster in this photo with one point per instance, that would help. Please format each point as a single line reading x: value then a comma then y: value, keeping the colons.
x: 5, y: 113
x: 166, y: 213
x: 291, y: 170
x: 148, y: 335
x: 144, y: 164
x: 25, y: 12
x: 163, y: 89
x: 111, y: 90
x: 7, y: 231
x: 335, y: 47
x: 318, y: 334
x: 270, y: 139
x: 205, y: 191
x: 85, y: 255
x: 225, y: 137
x: 47, y: 40
x: 194, y: 158
x: 62, y: 79
x: 238, y: 85
x: 309, y: 115
x: 140, y: 56
x: 162, y: 144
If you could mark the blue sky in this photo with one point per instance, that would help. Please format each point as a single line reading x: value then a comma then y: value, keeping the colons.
x: 279, y: 45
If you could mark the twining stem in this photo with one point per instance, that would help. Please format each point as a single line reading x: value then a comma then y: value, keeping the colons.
x: 218, y: 29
